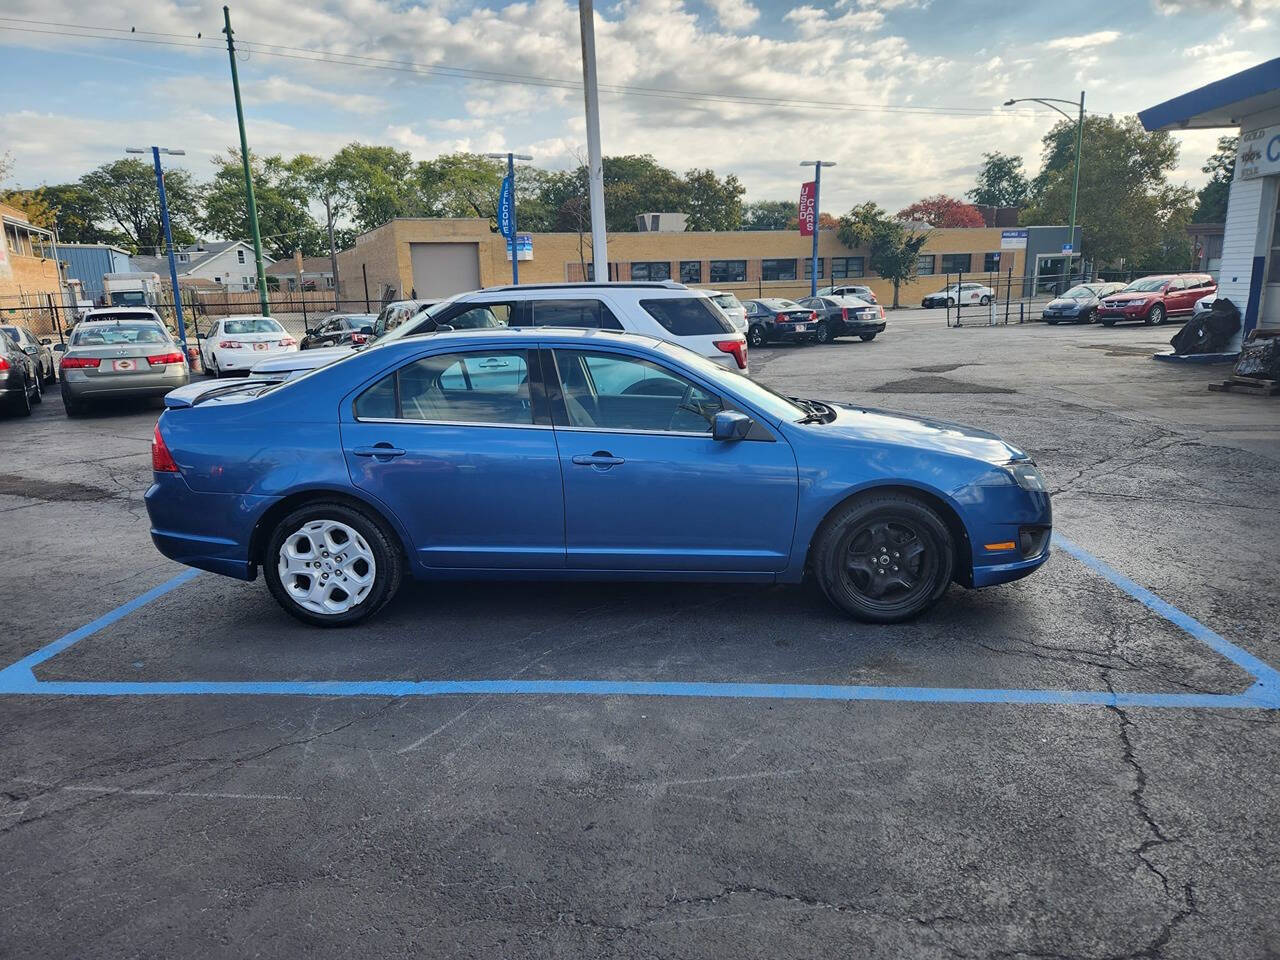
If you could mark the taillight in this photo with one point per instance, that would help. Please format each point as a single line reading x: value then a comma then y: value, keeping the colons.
x: 230, y: 345
x: 288, y: 342
x: 738, y: 348
x: 4, y: 364
x: 358, y: 338
x: 72, y: 363
x: 161, y: 359
x: 882, y: 313
x: 814, y: 315
x: 161, y: 460
x: 844, y: 313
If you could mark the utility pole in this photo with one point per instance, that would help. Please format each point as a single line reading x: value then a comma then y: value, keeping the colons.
x: 333, y: 252
x: 248, y: 176
x: 595, y: 162
x: 817, y: 206
x: 507, y: 208
x: 168, y: 232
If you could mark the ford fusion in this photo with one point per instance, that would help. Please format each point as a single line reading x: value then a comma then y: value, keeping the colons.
x: 582, y: 455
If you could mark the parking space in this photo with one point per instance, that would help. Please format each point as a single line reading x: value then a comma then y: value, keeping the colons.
x: 654, y: 770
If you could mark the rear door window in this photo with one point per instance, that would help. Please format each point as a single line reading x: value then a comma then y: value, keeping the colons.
x: 581, y: 314
x: 687, y: 316
x: 482, y: 387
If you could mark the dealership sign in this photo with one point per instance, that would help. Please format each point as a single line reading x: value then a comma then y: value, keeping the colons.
x: 524, y: 246
x: 806, y: 209
x: 1013, y: 239
x: 1258, y: 154
x: 507, y: 208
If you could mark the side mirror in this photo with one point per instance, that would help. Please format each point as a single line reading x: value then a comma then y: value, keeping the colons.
x: 366, y: 330
x: 730, y: 425
x: 201, y: 336
x: 32, y: 351
x: 59, y: 347
x: 443, y: 328
x: 45, y: 341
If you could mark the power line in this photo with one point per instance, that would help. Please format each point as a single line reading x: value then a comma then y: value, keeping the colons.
x: 304, y: 54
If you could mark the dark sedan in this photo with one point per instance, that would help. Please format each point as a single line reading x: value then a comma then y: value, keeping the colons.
x: 340, y: 329
x: 19, y: 378
x: 845, y: 317
x: 773, y: 319
x: 1079, y: 304
x: 40, y: 351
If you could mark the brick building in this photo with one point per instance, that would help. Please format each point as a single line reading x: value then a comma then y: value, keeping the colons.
x: 28, y: 267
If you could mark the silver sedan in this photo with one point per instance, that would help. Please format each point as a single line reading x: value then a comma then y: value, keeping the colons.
x: 120, y: 358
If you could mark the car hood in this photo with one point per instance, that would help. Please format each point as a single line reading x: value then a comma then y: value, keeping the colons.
x: 921, y: 433
x: 1068, y: 303
x: 301, y: 360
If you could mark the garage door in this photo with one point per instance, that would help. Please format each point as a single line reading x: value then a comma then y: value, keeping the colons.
x: 443, y: 269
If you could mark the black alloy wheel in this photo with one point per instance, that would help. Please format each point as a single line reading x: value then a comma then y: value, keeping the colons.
x: 755, y: 336
x: 822, y: 332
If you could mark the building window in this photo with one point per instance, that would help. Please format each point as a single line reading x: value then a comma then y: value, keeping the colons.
x: 778, y: 269
x: 690, y: 271
x: 991, y: 262
x: 957, y: 262
x: 808, y: 267
x: 844, y: 267
x: 924, y: 266
x: 650, y: 270
x: 730, y: 271
x: 240, y: 255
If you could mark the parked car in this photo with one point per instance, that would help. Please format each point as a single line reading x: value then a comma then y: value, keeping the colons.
x: 40, y: 351
x: 963, y: 294
x: 860, y: 291
x: 845, y: 317
x: 110, y: 359
x: 338, y: 329
x: 773, y: 319
x: 662, y: 310
x: 1154, y: 299
x: 234, y: 344
x: 732, y: 307
x: 1079, y: 304
x: 396, y: 313
x: 594, y: 456
x: 19, y: 378
x: 1204, y: 305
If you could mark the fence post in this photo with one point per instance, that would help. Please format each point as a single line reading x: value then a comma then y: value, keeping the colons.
x: 305, y: 329
x: 1008, y: 292
x: 365, y: 274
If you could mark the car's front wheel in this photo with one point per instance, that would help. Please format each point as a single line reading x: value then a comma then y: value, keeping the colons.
x: 985, y: 300
x: 884, y: 558
x: 37, y: 391
x: 332, y: 565
x: 1156, y: 316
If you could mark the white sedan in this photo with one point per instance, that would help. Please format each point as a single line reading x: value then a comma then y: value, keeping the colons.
x: 961, y: 293
x: 235, y: 344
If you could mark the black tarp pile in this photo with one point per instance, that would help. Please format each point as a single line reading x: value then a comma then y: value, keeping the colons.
x: 1259, y: 358
x: 1210, y: 333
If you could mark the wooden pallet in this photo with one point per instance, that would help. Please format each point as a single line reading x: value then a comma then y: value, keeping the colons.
x: 1253, y: 385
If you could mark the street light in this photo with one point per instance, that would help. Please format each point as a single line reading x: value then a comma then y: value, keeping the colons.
x: 1075, y: 186
x: 511, y: 159
x: 168, y: 233
x: 817, y: 190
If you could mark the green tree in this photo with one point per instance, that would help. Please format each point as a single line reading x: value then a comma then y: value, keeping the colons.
x: 1128, y: 208
x: 126, y: 189
x: 282, y: 199
x: 80, y: 215
x: 713, y: 203
x: 770, y: 215
x: 895, y: 248
x: 1211, y: 201
x: 461, y: 185
x: 1001, y: 181
x: 376, y: 183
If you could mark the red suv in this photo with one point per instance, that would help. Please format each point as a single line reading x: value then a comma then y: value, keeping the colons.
x: 1153, y: 299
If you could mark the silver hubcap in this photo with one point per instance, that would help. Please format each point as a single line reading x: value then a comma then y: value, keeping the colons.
x: 326, y: 566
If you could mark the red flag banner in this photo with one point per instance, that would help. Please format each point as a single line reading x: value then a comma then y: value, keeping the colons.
x: 806, y: 209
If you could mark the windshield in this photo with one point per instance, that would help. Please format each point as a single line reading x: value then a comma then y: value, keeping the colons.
x: 252, y: 325
x: 100, y: 334
x: 13, y: 332
x: 773, y: 404
x: 1147, y: 284
x: 1079, y: 293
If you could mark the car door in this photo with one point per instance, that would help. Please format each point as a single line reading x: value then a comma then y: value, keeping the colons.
x: 1176, y: 297
x: 646, y: 488
x: 459, y: 445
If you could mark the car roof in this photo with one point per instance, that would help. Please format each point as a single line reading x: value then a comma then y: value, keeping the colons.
x: 518, y: 335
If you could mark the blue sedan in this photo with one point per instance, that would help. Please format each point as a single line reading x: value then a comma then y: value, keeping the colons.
x: 582, y: 455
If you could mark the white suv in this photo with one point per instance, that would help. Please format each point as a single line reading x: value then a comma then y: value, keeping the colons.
x: 662, y: 310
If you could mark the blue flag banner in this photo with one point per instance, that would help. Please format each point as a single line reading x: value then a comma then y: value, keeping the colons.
x: 506, y: 208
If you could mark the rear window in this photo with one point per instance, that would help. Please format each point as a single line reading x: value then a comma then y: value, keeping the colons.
x: 99, y: 335
x: 728, y: 301
x: 252, y: 325
x: 687, y: 316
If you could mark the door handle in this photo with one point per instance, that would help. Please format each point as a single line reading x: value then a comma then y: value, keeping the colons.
x: 489, y: 364
x: 379, y: 451
x: 601, y: 458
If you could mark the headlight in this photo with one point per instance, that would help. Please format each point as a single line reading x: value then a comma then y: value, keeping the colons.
x: 1027, y: 475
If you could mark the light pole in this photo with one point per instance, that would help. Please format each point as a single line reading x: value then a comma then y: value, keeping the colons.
x: 1075, y: 184
x: 507, y: 217
x: 248, y: 174
x: 595, y: 159
x: 817, y: 201
x: 168, y: 233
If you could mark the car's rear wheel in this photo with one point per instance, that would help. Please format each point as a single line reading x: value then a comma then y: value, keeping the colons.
x: 37, y: 389
x: 1156, y: 316
x: 822, y: 332
x: 22, y: 405
x: 332, y: 565
x: 951, y: 301
x: 884, y: 558
x: 1089, y: 316
x: 985, y: 300
x: 755, y: 336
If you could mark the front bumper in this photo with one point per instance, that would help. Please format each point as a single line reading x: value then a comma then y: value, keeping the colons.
x: 1123, y: 313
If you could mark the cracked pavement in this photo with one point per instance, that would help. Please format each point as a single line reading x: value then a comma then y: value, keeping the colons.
x: 562, y: 826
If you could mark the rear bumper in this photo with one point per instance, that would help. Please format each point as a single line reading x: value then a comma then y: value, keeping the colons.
x: 210, y: 531
x: 858, y: 327
x: 123, y: 385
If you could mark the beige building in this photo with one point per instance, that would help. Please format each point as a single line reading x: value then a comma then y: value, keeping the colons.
x: 28, y: 268
x: 439, y: 257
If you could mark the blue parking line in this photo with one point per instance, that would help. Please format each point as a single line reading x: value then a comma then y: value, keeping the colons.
x: 19, y: 678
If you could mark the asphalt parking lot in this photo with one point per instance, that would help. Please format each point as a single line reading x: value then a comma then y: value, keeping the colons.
x: 604, y: 819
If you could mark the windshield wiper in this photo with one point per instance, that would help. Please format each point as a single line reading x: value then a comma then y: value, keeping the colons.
x: 816, y: 410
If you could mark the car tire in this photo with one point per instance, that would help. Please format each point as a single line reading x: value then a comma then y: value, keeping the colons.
x: 755, y: 336
x: 1090, y: 316
x: 985, y: 300
x: 1155, y: 316
x: 37, y: 395
x: 853, y: 553
x: 1052, y: 323
x: 822, y: 332
x: 308, y: 530
x: 866, y: 337
x: 951, y: 301
x: 22, y: 406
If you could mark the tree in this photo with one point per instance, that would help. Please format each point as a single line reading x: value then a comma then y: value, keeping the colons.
x: 770, y: 215
x: 282, y: 198
x: 1128, y: 208
x: 1211, y: 201
x: 943, y: 211
x: 713, y: 203
x: 1001, y: 181
x: 376, y: 183
x: 825, y: 222
x: 895, y: 248
x: 126, y: 189
x: 33, y: 204
x: 461, y: 185
x: 80, y: 215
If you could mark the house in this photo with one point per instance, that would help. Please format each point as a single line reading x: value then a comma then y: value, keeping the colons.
x: 28, y: 266
x: 228, y: 263
x: 317, y: 274
x: 87, y: 262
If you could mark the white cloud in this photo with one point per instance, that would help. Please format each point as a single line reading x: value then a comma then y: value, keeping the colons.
x: 734, y: 14
x: 1084, y: 41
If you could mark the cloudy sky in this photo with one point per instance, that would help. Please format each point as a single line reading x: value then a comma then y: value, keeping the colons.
x: 903, y: 94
